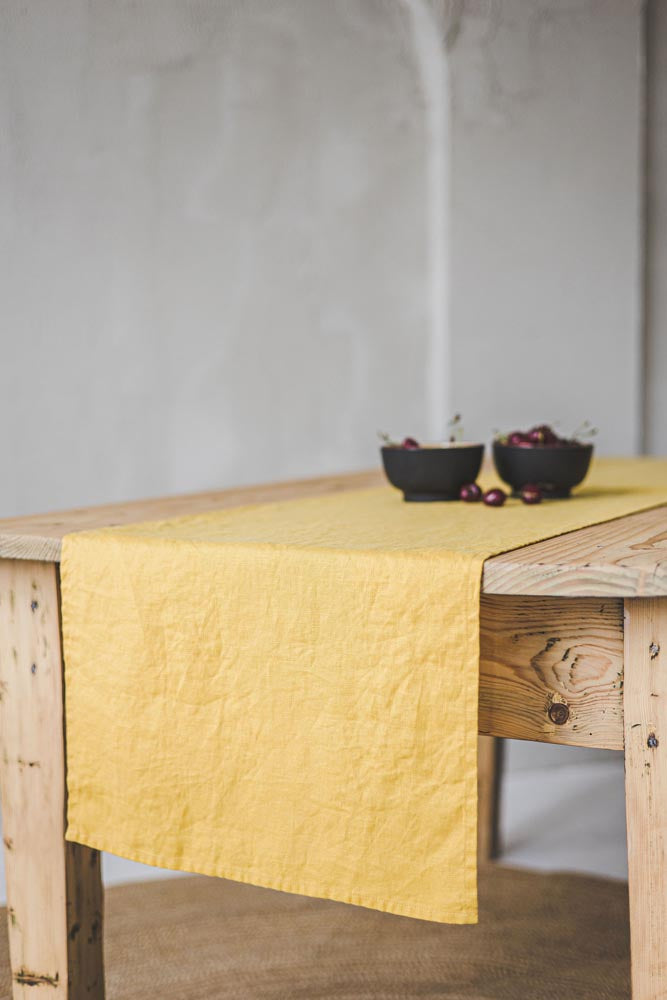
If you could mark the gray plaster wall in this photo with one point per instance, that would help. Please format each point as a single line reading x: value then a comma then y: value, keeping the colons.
x: 215, y: 230
x: 235, y: 242
x: 546, y: 204
x: 656, y: 230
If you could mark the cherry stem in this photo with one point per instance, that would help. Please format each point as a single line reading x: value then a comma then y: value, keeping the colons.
x: 584, y: 430
x: 455, y: 428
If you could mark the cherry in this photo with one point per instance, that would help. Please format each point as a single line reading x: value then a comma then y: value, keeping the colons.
x: 539, y: 435
x: 494, y: 498
x: 549, y: 435
x: 543, y: 435
x: 531, y: 493
x: 470, y: 493
x: 410, y: 444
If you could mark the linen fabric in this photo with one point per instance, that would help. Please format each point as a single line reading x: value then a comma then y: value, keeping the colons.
x: 286, y: 694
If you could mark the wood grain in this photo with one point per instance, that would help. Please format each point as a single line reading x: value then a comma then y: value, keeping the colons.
x: 551, y: 669
x: 646, y: 793
x: 622, y: 558
x: 54, y: 892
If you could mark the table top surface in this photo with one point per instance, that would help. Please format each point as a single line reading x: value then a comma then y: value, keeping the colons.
x: 626, y: 557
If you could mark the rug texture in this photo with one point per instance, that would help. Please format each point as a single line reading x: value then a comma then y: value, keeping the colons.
x: 540, y: 937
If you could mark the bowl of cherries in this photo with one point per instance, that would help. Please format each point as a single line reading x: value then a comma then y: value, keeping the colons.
x: 540, y: 458
x: 425, y: 472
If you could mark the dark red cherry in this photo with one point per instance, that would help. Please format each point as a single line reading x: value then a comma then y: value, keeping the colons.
x: 530, y: 493
x: 543, y: 434
x: 410, y: 444
x: 516, y: 437
x: 470, y: 493
x: 549, y: 435
x: 494, y: 498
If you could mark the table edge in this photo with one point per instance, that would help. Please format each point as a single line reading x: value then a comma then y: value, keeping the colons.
x: 520, y: 572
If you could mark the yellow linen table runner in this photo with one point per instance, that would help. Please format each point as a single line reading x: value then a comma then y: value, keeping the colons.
x: 286, y: 694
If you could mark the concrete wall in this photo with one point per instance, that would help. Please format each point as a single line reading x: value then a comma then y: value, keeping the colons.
x: 546, y: 198
x: 218, y: 230
x: 656, y: 229
x: 225, y: 233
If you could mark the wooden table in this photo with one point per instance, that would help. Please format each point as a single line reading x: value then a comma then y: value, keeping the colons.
x: 574, y: 651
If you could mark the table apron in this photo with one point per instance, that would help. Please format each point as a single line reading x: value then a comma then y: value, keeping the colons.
x: 551, y: 670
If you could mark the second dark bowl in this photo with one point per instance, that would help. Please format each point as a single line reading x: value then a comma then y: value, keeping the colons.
x: 555, y: 470
x: 436, y: 473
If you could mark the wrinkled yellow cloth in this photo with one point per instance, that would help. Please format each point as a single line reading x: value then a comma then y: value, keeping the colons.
x: 286, y: 694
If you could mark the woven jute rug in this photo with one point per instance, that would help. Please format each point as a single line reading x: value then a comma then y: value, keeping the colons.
x: 540, y: 937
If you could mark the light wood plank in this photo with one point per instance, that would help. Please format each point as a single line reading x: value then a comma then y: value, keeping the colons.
x: 622, y: 558
x: 646, y: 793
x: 54, y: 892
x: 551, y: 669
x: 38, y: 536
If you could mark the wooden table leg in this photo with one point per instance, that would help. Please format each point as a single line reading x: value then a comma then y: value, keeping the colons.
x: 489, y: 775
x: 54, y: 889
x: 645, y: 711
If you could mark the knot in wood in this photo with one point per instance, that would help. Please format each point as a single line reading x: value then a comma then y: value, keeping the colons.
x: 559, y: 713
x: 652, y: 741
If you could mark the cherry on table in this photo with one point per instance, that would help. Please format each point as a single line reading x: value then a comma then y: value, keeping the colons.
x: 470, y: 493
x: 494, y: 498
x: 531, y: 493
x: 410, y: 444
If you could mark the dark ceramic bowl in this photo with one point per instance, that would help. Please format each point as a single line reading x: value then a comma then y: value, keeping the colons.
x: 555, y: 470
x: 435, y: 473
